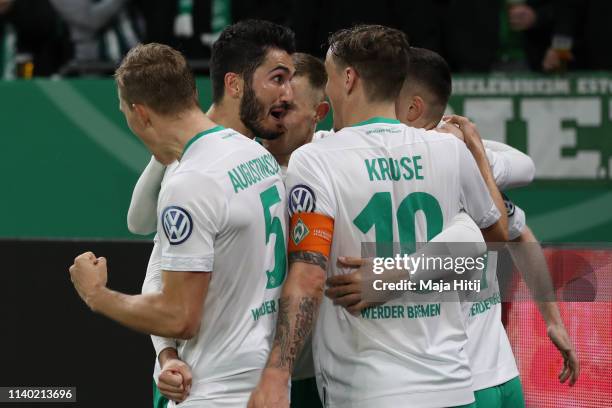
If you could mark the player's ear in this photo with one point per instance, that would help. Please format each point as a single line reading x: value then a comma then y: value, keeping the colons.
x: 142, y: 113
x: 233, y: 85
x: 321, y: 111
x: 416, y: 109
x: 350, y: 79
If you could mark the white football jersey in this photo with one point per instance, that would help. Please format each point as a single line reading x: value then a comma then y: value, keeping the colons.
x: 488, y: 347
x: 222, y: 210
x: 500, y: 167
x: 491, y: 357
x: 321, y: 134
x: 516, y: 219
x: 382, y: 181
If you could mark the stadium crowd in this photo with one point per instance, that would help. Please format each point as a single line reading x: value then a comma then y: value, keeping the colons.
x: 76, y: 37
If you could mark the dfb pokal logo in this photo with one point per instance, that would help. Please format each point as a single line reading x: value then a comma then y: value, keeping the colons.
x: 301, y: 199
x: 509, y: 205
x: 177, y: 224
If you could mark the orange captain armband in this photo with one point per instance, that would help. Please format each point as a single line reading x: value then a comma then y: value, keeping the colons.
x: 311, y: 232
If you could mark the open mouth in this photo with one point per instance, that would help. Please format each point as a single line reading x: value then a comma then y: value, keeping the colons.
x: 278, y: 113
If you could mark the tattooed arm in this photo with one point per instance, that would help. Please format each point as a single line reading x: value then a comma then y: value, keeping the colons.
x: 299, y: 306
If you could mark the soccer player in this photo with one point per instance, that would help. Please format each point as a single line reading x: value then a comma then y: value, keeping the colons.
x: 307, y: 109
x: 374, y: 180
x: 250, y: 69
x: 254, y: 57
x: 421, y: 103
x: 221, y: 233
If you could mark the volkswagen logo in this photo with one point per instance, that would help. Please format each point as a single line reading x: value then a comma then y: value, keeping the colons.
x: 177, y: 224
x: 301, y: 199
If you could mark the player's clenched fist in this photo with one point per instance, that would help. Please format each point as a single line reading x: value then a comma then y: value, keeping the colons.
x: 271, y: 392
x: 88, y: 274
x: 174, y: 381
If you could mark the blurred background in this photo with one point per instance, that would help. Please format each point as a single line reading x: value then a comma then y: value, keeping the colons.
x: 42, y: 38
x: 536, y: 74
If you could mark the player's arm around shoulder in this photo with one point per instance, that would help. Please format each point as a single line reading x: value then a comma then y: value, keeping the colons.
x: 480, y: 195
x: 310, y: 237
x: 511, y: 168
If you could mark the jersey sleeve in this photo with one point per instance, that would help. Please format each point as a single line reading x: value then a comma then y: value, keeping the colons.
x: 192, y: 210
x: 510, y: 167
x: 311, y: 205
x: 153, y: 280
x: 475, y: 197
x: 141, y: 218
x: 153, y: 283
x: 308, y: 188
x: 516, y: 219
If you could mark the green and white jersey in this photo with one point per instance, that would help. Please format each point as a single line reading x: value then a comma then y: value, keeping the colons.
x: 516, y: 219
x: 153, y: 278
x: 321, y: 134
x: 222, y: 210
x: 488, y: 348
x: 491, y: 357
x: 381, y: 182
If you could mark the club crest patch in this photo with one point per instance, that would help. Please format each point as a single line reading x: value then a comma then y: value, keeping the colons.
x: 299, y: 232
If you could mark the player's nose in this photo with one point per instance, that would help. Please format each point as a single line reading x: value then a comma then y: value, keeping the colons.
x: 286, y: 92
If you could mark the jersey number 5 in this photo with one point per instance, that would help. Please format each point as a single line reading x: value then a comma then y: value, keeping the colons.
x: 378, y: 213
x: 274, y: 226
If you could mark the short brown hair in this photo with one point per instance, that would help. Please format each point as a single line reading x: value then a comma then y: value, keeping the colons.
x: 158, y: 76
x: 311, y: 68
x: 378, y: 53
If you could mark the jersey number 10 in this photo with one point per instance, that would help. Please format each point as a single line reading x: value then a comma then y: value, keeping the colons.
x: 378, y: 213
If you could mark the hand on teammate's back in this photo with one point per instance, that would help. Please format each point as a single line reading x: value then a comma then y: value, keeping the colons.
x: 347, y: 290
x: 452, y: 129
x: 88, y: 274
x: 174, y: 380
x: 471, y: 136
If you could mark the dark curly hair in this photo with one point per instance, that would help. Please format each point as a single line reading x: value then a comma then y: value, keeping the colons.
x: 242, y: 47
